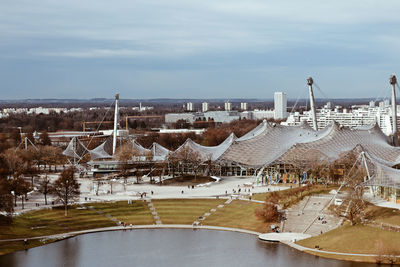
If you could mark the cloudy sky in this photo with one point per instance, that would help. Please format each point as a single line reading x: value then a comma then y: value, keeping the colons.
x: 197, y: 48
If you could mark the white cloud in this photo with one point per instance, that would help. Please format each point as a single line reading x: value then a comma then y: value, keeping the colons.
x: 96, y: 53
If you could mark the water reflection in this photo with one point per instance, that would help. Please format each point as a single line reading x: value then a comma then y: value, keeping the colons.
x: 166, y: 247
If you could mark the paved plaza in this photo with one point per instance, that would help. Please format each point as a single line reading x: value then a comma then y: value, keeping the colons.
x: 311, y: 216
x: 227, y: 187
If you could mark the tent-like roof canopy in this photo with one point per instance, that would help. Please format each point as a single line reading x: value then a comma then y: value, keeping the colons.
x: 381, y: 175
x: 159, y: 152
x: 270, y: 143
x: 207, y: 152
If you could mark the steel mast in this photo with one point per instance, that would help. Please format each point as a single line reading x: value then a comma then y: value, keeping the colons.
x: 116, y: 122
x: 310, y: 82
x: 393, y: 82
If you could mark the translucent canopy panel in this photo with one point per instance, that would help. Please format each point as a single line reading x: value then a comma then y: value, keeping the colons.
x: 99, y: 152
x: 159, y: 152
x: 282, y: 144
x: 207, y: 152
x: 382, y: 175
x: 75, y: 149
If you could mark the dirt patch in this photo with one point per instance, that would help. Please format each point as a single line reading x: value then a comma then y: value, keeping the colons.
x: 188, y: 180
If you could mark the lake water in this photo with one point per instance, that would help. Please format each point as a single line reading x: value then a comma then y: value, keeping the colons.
x: 166, y: 247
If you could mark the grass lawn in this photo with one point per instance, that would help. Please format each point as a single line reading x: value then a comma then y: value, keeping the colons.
x: 8, y: 247
x: 295, y: 194
x: 53, y: 221
x: 383, y: 215
x: 237, y: 214
x: 184, y: 211
x: 137, y: 213
x: 344, y: 257
x: 355, y: 239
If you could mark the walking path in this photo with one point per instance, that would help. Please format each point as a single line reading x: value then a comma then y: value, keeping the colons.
x: 153, y: 211
x: 301, y: 248
x: 115, y: 228
x: 208, y: 213
x: 182, y: 226
x: 310, y: 216
x: 132, y: 191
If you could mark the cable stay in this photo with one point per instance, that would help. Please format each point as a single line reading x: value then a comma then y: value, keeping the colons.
x: 98, y: 127
x: 300, y: 95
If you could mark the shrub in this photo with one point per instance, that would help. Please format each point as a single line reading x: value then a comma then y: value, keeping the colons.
x: 268, y: 213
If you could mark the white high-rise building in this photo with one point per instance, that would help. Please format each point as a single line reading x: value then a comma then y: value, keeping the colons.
x: 243, y: 106
x: 189, y: 106
x: 204, y: 106
x: 280, y: 105
x: 228, y: 106
x: 372, y: 104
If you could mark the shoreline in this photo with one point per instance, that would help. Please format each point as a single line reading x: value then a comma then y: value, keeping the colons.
x: 311, y: 251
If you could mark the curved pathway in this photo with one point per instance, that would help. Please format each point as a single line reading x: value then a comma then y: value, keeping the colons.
x: 184, y: 226
x: 305, y: 249
x: 149, y: 226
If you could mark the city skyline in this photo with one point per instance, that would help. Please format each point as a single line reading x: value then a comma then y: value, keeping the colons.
x: 228, y: 49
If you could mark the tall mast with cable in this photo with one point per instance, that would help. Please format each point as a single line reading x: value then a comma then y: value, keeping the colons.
x: 116, y: 122
x: 393, y: 82
x: 310, y: 82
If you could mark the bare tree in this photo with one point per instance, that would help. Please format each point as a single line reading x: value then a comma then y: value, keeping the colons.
x: 353, y: 179
x: 6, y: 199
x: 13, y: 162
x: 125, y: 154
x: 45, y: 187
x: 45, y: 139
x: 52, y: 156
x: 20, y: 188
x: 66, y: 187
x: 268, y: 213
x: 184, y: 160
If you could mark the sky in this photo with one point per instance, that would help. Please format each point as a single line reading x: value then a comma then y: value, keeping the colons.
x: 197, y: 48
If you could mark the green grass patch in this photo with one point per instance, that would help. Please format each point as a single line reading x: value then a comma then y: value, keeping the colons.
x: 8, y: 247
x: 383, y: 215
x: 238, y: 214
x: 356, y: 239
x: 136, y: 213
x: 184, y: 211
x: 52, y: 221
x: 292, y: 196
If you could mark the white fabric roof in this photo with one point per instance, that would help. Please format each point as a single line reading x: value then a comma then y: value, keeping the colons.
x: 382, y: 175
x: 270, y: 143
x: 208, y: 152
x: 75, y: 149
x: 99, y: 152
x: 159, y: 152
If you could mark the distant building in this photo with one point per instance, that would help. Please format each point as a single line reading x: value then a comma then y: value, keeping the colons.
x: 357, y: 116
x: 189, y: 106
x: 243, y: 106
x: 204, y: 106
x: 174, y: 117
x: 372, y: 104
x: 280, y: 105
x: 228, y: 106
x: 216, y: 116
x: 262, y: 114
